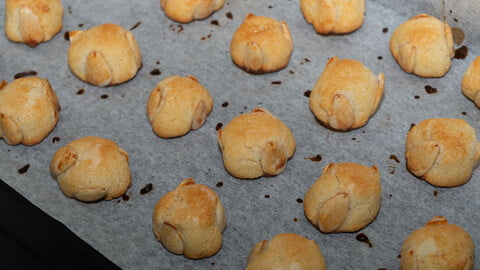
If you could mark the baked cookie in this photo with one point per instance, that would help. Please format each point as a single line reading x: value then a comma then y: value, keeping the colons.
x: 185, y: 11
x: 91, y: 169
x: 32, y: 21
x: 333, y: 17
x: 423, y: 45
x: 28, y: 110
x: 438, y: 245
x: 256, y: 144
x: 345, y: 198
x: 442, y: 151
x: 104, y: 55
x: 295, y: 251
x: 471, y: 81
x: 346, y: 94
x: 261, y: 45
x: 177, y: 105
x: 190, y: 220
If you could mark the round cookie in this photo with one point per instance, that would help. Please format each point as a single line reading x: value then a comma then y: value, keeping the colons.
x: 423, y: 45
x: 471, y: 81
x: 256, y: 144
x: 345, y: 198
x: 261, y: 44
x: 91, y: 168
x: 177, y: 105
x: 442, y: 151
x: 190, y: 220
x: 295, y: 251
x: 346, y: 94
x: 438, y: 245
x: 28, y: 110
x: 104, y: 55
x: 185, y: 11
x: 333, y: 17
x: 32, y: 21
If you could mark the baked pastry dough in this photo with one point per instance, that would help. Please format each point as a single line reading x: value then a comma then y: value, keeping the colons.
x: 91, y: 169
x: 295, y: 251
x: 261, y: 44
x: 256, y: 144
x: 442, y: 151
x: 28, y: 110
x: 333, y: 17
x: 471, y: 81
x: 438, y: 245
x: 32, y: 21
x: 177, y: 105
x: 190, y: 220
x: 423, y: 45
x: 346, y: 94
x: 185, y: 11
x: 104, y: 55
x: 345, y: 198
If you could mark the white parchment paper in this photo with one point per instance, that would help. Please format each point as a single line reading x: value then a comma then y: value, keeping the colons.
x: 256, y: 209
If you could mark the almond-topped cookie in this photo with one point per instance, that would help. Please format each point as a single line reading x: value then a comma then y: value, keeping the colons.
x: 345, y: 198
x: 423, y: 45
x: 91, y: 168
x: 333, y: 17
x: 256, y: 144
x: 177, y: 105
x: 438, y: 245
x: 33, y: 21
x: 295, y: 251
x: 29, y: 110
x: 346, y: 94
x: 471, y: 82
x: 442, y: 151
x: 261, y: 44
x: 185, y: 11
x: 190, y: 220
x: 104, y: 55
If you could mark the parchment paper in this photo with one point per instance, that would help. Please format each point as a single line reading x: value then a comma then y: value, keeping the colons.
x: 121, y: 229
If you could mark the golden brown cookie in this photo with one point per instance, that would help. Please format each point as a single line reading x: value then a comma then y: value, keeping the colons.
x: 190, y: 220
x: 423, y: 45
x: 333, y: 17
x: 177, y: 105
x: 346, y: 94
x: 185, y: 11
x: 256, y: 144
x: 261, y: 44
x: 91, y: 169
x: 28, y: 110
x: 442, y: 151
x: 286, y: 251
x: 438, y: 245
x: 471, y: 81
x: 104, y: 55
x: 345, y: 198
x: 32, y: 21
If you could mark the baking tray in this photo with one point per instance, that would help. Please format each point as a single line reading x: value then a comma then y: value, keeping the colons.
x: 256, y: 209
